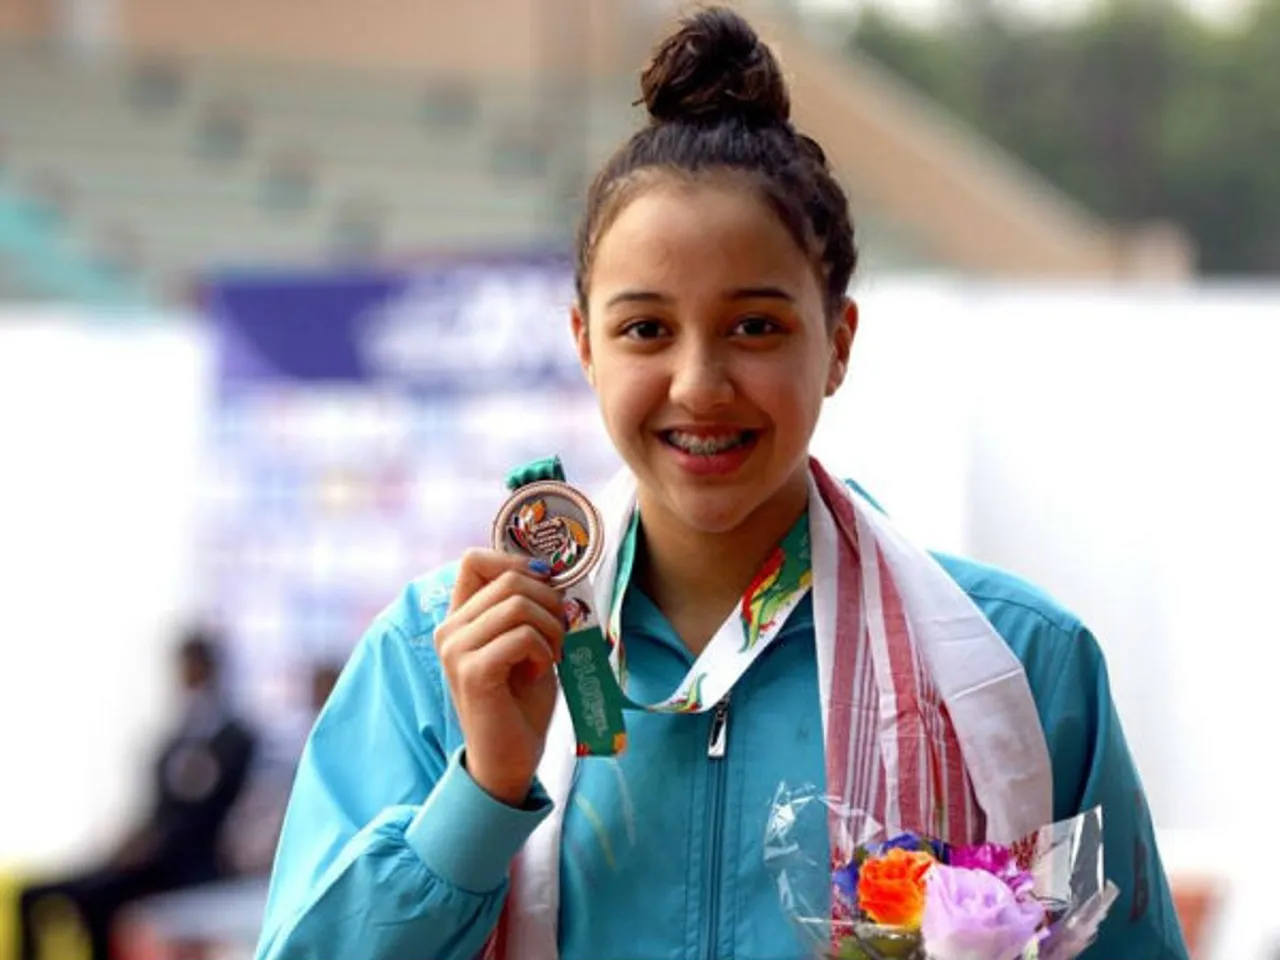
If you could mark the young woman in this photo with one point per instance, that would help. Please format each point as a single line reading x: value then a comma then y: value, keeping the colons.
x: 439, y: 813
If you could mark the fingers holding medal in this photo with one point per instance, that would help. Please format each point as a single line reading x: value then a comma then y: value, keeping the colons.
x: 498, y: 647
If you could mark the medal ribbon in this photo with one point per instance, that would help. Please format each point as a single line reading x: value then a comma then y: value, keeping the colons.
x: 593, y: 669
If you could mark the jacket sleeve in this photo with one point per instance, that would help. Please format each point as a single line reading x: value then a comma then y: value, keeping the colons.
x: 389, y: 850
x: 1092, y: 766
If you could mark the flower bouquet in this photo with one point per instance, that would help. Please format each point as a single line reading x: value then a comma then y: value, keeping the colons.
x: 908, y: 897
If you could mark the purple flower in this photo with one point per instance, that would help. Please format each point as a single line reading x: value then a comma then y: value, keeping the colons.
x: 974, y: 915
x: 912, y: 843
x: 903, y: 841
x: 996, y: 860
x: 990, y: 857
x: 845, y: 881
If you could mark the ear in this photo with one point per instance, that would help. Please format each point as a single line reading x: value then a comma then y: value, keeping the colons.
x: 582, y: 341
x: 841, y: 346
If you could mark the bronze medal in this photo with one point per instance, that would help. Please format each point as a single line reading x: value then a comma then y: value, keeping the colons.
x: 551, y: 521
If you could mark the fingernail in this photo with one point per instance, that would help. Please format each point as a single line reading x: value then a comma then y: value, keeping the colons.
x: 540, y: 567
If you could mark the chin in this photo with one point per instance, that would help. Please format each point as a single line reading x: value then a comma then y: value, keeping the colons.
x: 713, y: 512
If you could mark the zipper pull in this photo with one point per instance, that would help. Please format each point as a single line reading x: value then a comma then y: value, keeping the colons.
x: 719, y: 738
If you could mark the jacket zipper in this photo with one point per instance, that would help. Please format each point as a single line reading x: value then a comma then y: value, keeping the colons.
x: 717, y: 744
x: 719, y: 738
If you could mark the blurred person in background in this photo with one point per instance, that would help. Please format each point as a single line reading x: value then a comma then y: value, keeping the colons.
x: 440, y: 813
x: 211, y: 917
x: 252, y: 830
x: 199, y: 771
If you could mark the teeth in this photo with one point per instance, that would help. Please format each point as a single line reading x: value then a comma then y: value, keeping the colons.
x: 706, y: 446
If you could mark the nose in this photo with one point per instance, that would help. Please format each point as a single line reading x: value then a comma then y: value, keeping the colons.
x: 701, y: 382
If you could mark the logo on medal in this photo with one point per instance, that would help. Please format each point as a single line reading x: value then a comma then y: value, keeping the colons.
x: 554, y: 522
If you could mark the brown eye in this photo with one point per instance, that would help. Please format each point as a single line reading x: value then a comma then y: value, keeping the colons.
x: 644, y: 330
x: 757, y: 326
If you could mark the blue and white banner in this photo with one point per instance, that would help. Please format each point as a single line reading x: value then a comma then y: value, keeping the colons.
x: 454, y: 326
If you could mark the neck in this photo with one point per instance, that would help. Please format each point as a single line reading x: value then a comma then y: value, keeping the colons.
x: 695, y: 577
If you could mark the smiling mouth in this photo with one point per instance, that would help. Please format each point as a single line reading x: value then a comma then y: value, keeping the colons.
x: 704, y: 445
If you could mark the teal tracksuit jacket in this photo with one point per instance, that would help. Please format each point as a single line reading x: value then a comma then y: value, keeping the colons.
x: 391, y: 852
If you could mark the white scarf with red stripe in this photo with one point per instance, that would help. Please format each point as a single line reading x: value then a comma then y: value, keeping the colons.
x: 928, y: 720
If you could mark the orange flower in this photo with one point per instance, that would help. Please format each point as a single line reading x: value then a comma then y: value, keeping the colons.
x: 891, y: 888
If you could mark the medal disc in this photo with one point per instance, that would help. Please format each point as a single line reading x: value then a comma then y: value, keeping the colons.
x: 554, y: 522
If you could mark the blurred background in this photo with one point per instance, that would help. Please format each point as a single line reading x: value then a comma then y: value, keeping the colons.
x: 283, y: 293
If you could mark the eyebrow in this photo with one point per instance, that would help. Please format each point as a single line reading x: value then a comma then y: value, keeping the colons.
x: 761, y: 293
x: 741, y: 293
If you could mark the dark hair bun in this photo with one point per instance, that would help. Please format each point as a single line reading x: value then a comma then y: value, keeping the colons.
x: 712, y: 68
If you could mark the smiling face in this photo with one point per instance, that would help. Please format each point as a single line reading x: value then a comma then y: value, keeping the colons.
x: 709, y: 348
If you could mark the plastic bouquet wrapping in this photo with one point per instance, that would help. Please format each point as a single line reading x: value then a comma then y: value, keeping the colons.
x: 908, y: 897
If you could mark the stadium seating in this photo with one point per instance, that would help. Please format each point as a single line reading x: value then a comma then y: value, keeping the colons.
x: 152, y: 172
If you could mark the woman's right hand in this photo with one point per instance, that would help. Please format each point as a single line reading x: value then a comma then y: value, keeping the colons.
x: 499, y: 645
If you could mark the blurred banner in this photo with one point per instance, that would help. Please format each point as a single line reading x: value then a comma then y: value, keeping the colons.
x: 461, y: 327
x: 361, y: 433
